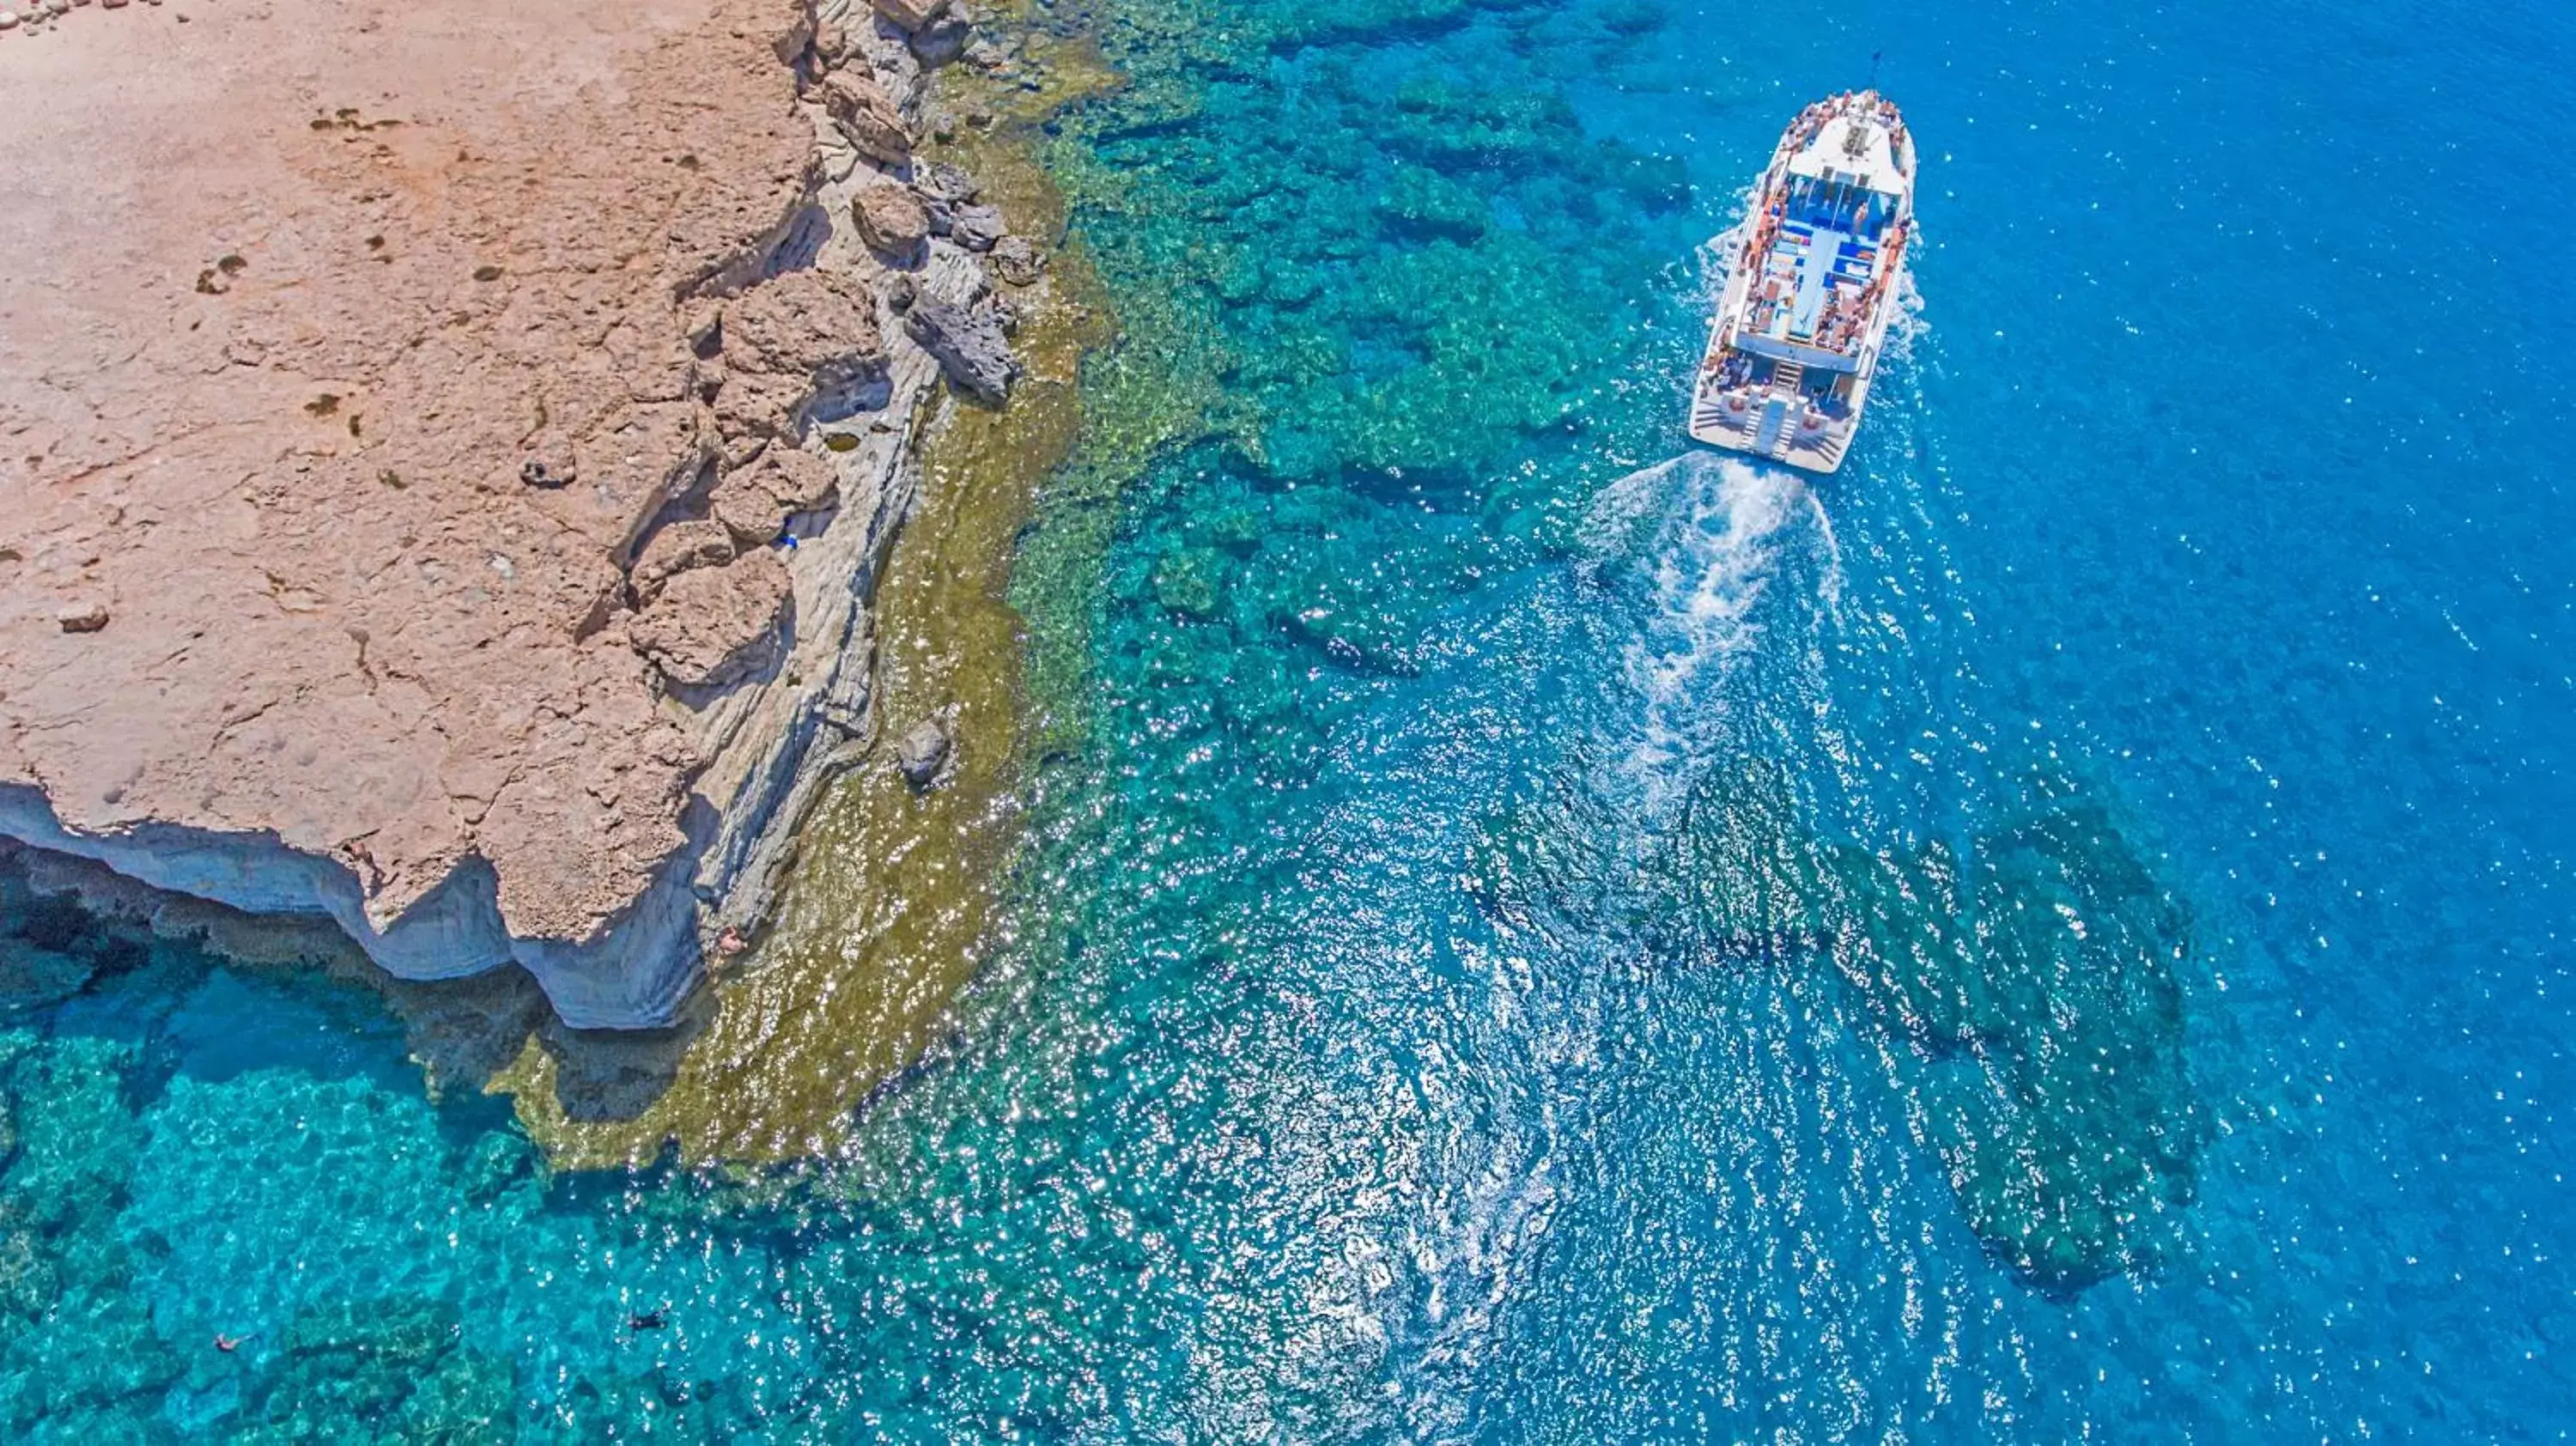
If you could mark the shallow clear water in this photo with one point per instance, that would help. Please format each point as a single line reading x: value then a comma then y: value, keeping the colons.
x: 2054, y: 932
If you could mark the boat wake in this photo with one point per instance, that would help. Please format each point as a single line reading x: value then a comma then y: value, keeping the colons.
x: 1712, y: 553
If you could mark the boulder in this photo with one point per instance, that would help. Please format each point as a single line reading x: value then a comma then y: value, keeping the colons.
x: 750, y: 513
x: 712, y: 625
x: 811, y: 325
x: 910, y: 14
x: 941, y: 181
x: 1017, y: 260
x: 676, y: 549
x: 968, y: 342
x: 81, y: 617
x: 790, y: 42
x: 943, y: 38
x: 976, y: 226
x: 801, y: 481
x: 890, y: 219
x: 868, y: 118
x: 919, y: 755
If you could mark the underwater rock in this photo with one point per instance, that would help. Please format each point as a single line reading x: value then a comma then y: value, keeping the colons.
x: 500, y: 1162
x: 2039, y: 969
x: 1185, y: 581
x: 1018, y: 261
x: 1758, y: 883
x: 77, y: 1141
x: 1421, y: 204
x: 922, y: 752
x: 29, y: 1281
x: 391, y: 1370
x: 2036, y: 969
x: 32, y: 977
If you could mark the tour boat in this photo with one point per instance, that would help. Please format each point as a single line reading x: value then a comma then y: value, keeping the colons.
x: 1812, y: 282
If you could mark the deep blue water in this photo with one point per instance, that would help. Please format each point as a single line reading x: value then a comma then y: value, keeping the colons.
x: 2053, y: 933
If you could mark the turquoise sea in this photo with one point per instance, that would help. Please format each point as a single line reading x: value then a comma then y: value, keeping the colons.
x: 1530, y: 934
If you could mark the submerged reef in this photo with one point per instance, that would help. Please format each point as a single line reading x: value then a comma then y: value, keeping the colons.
x: 2037, y: 972
x: 2033, y: 976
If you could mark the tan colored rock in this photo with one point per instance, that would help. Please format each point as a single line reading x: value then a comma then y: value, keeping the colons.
x: 675, y: 549
x: 801, y: 481
x: 450, y: 237
x: 910, y: 14
x: 750, y: 512
x: 868, y: 118
x: 82, y: 617
x: 831, y: 42
x: 713, y: 625
x: 782, y: 340
x: 808, y: 325
x: 890, y: 218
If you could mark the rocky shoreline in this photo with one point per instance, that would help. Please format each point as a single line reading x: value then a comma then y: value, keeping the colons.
x: 509, y: 610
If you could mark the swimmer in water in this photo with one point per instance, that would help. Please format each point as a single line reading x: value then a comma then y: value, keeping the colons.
x: 227, y: 1344
x: 651, y: 1320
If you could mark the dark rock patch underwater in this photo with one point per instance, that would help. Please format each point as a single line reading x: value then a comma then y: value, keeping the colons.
x: 2035, y: 973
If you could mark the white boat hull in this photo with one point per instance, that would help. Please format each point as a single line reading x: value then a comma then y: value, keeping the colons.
x: 1814, y: 276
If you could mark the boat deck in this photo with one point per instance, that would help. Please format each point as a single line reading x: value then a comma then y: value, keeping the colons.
x: 1805, y: 269
x: 1769, y: 425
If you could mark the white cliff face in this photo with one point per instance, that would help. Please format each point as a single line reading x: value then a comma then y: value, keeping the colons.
x: 318, y: 604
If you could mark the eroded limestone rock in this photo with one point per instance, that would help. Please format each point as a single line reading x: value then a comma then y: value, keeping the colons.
x: 867, y: 117
x: 676, y: 549
x: 710, y: 626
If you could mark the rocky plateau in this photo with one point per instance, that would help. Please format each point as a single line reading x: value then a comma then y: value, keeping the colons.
x: 447, y: 450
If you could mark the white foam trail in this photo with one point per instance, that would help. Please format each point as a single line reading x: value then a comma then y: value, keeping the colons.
x: 1705, y: 535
